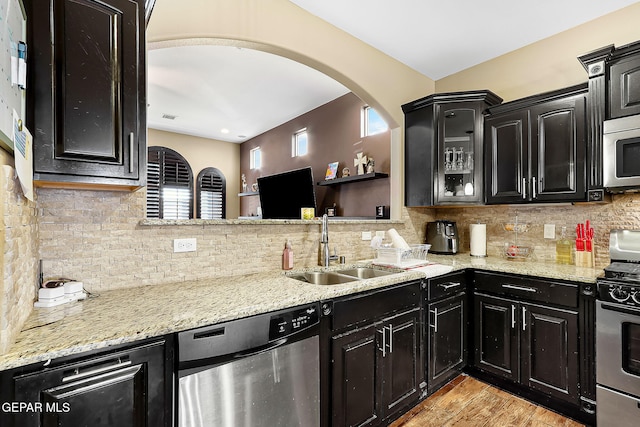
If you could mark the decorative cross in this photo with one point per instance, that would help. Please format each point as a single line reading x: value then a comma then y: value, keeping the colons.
x: 360, y: 162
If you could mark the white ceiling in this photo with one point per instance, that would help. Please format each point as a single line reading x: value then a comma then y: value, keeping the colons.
x: 209, y: 88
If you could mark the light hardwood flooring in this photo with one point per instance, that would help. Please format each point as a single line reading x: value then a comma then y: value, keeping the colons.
x: 466, y: 401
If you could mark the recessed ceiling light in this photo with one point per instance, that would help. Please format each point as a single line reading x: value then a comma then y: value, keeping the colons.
x: 224, y: 130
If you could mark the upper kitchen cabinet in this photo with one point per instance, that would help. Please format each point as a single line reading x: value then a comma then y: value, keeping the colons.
x: 536, y: 148
x: 87, y: 102
x: 444, y: 148
x: 624, y: 81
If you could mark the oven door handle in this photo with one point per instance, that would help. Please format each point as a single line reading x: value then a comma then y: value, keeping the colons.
x: 619, y: 308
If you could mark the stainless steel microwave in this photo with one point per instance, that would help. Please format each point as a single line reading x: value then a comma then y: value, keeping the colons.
x: 621, y: 154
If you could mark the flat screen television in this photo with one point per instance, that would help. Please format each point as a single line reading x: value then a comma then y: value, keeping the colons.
x: 282, y: 195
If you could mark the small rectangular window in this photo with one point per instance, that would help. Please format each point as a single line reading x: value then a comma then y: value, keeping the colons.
x: 255, y: 158
x: 300, y: 143
x: 372, y: 122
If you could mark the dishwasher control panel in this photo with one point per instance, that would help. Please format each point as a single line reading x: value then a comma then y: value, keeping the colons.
x: 291, y: 322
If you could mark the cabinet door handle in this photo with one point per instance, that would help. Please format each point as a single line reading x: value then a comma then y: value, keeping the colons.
x: 534, y: 185
x: 450, y: 285
x: 435, y: 320
x: 390, y: 339
x: 520, y: 288
x: 524, y: 188
x: 524, y: 318
x: 384, y: 342
x: 513, y: 316
x: 131, y: 151
x: 78, y: 375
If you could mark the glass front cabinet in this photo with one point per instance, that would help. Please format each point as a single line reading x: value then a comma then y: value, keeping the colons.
x: 444, y: 148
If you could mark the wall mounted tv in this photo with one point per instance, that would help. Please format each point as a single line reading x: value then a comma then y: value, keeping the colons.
x: 283, y: 195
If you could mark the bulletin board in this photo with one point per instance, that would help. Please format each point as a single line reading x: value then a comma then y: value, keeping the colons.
x: 13, y: 29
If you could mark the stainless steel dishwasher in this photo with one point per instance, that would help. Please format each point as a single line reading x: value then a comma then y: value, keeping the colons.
x: 262, y: 370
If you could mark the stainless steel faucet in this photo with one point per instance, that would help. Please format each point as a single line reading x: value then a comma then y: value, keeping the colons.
x: 325, y: 257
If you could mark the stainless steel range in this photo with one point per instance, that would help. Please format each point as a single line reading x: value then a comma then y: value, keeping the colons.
x: 618, y: 333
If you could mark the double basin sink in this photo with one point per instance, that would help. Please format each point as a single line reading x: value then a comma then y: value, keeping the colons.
x: 340, y: 276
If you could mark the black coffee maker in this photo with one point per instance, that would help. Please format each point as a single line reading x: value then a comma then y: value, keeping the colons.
x: 442, y: 235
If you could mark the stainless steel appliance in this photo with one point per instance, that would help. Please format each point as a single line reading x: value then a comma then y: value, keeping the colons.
x: 618, y: 333
x: 621, y: 154
x: 442, y: 235
x: 258, y: 371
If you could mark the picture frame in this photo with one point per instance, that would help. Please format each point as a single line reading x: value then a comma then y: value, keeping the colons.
x: 332, y: 171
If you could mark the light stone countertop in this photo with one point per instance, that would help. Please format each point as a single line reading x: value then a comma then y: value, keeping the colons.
x: 128, y: 315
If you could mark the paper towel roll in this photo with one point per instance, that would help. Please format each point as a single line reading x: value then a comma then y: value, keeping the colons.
x: 478, y: 239
x: 397, y: 241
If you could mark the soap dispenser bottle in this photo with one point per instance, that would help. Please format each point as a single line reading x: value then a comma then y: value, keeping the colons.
x: 287, y: 256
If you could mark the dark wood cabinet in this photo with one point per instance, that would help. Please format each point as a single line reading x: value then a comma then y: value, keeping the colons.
x: 496, y: 339
x: 131, y: 387
x: 536, y: 149
x: 86, y: 97
x: 527, y: 332
x: 376, y: 362
x: 624, y: 81
x: 444, y: 148
x: 534, y: 345
x: 445, y: 329
x: 549, y: 351
x: 355, y: 378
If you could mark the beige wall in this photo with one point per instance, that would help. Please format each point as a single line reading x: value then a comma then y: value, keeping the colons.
x: 203, y: 153
x: 550, y: 63
x: 280, y: 27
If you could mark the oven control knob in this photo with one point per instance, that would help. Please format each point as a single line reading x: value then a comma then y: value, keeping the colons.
x: 619, y: 293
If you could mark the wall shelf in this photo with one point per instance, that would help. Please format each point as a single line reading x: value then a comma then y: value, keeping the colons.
x: 248, y: 193
x: 354, y: 178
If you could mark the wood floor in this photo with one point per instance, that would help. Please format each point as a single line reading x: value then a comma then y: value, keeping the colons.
x: 466, y: 401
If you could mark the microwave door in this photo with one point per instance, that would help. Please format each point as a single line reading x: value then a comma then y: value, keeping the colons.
x: 621, y: 157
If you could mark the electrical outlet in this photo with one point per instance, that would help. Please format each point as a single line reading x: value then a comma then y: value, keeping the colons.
x: 380, y: 234
x: 184, y: 245
x: 366, y: 235
x: 549, y: 231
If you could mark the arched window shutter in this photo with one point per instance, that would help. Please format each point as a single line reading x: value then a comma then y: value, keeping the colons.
x: 211, y: 194
x: 169, y: 185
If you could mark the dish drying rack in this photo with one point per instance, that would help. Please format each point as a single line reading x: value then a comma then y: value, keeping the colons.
x: 397, y: 257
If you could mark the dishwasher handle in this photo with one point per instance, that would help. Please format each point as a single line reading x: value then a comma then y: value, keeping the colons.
x: 261, y: 349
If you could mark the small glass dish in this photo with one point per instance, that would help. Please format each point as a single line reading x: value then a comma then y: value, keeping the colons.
x: 517, y: 252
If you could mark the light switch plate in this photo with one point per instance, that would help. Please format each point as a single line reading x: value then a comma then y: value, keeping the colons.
x: 549, y: 231
x: 366, y: 235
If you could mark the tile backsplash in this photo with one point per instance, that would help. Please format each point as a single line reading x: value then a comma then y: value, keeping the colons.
x: 622, y: 212
x: 96, y: 237
x: 19, y: 255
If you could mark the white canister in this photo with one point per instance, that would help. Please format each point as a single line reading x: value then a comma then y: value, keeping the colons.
x: 478, y: 239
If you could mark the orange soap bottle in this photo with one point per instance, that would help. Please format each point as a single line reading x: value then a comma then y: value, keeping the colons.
x: 287, y: 256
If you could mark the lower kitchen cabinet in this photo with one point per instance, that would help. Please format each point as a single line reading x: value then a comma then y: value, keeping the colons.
x: 534, y: 345
x: 127, y: 387
x: 532, y: 337
x: 376, y: 366
x: 446, y: 329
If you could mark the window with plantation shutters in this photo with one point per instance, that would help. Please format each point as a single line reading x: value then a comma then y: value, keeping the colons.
x: 211, y: 194
x: 169, y: 185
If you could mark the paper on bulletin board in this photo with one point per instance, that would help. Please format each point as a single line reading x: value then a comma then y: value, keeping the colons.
x: 13, y: 33
x: 23, y: 155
